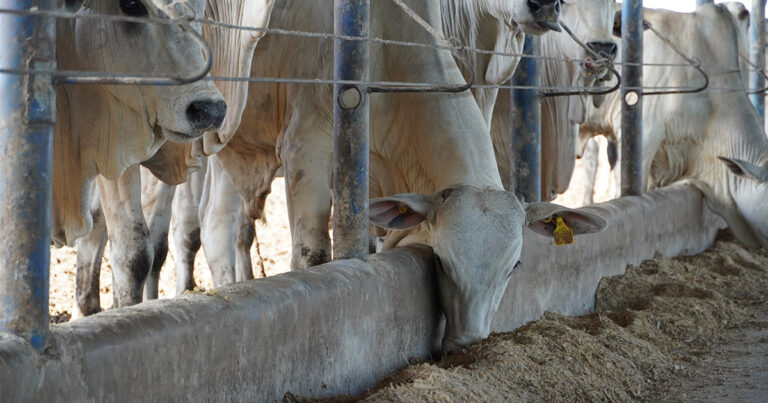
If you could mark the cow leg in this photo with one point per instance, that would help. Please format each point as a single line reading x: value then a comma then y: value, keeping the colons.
x: 220, y: 209
x: 90, y: 250
x: 245, y: 235
x: 131, y: 251
x: 157, y: 199
x: 589, y: 159
x: 306, y: 165
x: 186, y: 229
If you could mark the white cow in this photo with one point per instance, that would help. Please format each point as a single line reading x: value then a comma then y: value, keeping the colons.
x: 432, y: 151
x: 493, y: 25
x: 714, y: 139
x: 93, y: 120
x: 597, y: 125
x: 140, y: 243
x: 499, y: 26
x: 592, y: 21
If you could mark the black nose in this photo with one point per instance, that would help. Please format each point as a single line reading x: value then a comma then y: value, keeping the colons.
x: 206, y: 115
x: 546, y: 13
x: 604, y: 48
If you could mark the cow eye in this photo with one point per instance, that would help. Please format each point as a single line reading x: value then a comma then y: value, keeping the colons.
x: 513, y: 269
x: 134, y: 8
x: 438, y: 262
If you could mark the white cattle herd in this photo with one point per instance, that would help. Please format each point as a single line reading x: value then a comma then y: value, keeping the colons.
x: 439, y: 162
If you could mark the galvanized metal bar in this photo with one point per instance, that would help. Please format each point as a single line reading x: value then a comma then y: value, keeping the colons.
x: 703, y: 2
x: 27, y: 112
x: 351, y: 131
x: 757, y: 54
x: 632, y: 98
x: 525, y: 131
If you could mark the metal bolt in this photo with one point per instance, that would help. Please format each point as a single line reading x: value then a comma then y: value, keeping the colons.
x: 631, y: 98
x: 350, y: 97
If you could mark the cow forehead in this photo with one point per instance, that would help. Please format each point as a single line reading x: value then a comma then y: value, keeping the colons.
x: 595, y: 15
x: 179, y: 8
x: 478, y: 219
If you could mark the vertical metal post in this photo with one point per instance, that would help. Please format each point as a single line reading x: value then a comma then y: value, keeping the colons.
x: 632, y: 98
x: 525, y: 131
x: 351, y: 131
x: 757, y: 54
x: 703, y: 2
x: 27, y: 112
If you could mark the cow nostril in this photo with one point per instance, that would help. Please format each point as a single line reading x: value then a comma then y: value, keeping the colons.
x: 557, y: 6
x: 606, y: 49
x: 207, y: 115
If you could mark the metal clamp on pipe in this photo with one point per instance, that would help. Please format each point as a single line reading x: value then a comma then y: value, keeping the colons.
x: 695, y: 63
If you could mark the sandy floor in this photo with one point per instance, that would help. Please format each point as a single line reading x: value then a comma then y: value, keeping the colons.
x: 604, y: 184
x: 274, y: 244
x: 687, y: 329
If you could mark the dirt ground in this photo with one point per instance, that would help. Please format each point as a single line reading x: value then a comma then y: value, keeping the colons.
x: 685, y: 329
x: 274, y: 244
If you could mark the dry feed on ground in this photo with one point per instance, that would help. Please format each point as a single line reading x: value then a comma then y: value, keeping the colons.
x: 652, y: 327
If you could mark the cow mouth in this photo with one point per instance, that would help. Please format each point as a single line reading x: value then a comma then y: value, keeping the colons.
x: 594, y: 68
x: 549, y: 26
x: 179, y: 137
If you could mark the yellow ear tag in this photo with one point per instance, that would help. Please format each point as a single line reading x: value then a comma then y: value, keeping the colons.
x: 403, y: 209
x: 563, y: 235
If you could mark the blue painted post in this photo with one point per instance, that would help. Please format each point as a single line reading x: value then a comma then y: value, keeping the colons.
x: 525, y: 140
x: 351, y: 131
x: 757, y: 54
x: 632, y: 98
x: 703, y: 2
x: 27, y: 112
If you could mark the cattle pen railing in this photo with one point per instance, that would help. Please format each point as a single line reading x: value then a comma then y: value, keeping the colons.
x: 28, y: 85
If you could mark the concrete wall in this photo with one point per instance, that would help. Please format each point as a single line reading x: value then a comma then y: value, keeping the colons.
x: 332, y: 330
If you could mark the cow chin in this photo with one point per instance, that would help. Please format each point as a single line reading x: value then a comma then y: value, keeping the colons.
x: 533, y: 28
x: 468, y: 314
x: 186, y: 112
x: 179, y: 137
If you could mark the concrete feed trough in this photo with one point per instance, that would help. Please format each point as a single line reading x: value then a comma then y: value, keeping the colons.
x: 332, y: 330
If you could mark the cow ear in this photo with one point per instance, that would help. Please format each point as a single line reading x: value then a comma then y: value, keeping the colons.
x: 539, y: 217
x: 500, y: 68
x: 617, y: 24
x: 401, y: 212
x: 745, y: 169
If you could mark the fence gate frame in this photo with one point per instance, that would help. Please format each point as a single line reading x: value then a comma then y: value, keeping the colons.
x: 27, y: 116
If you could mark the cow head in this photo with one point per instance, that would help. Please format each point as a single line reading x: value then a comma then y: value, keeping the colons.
x: 592, y: 22
x: 499, y: 25
x: 233, y: 56
x: 533, y: 17
x: 104, y: 129
x: 183, y: 112
x: 749, y: 189
x: 477, y: 237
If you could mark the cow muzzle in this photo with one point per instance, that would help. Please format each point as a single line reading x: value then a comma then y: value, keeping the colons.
x: 546, y: 13
x: 206, y: 114
x: 607, y: 49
